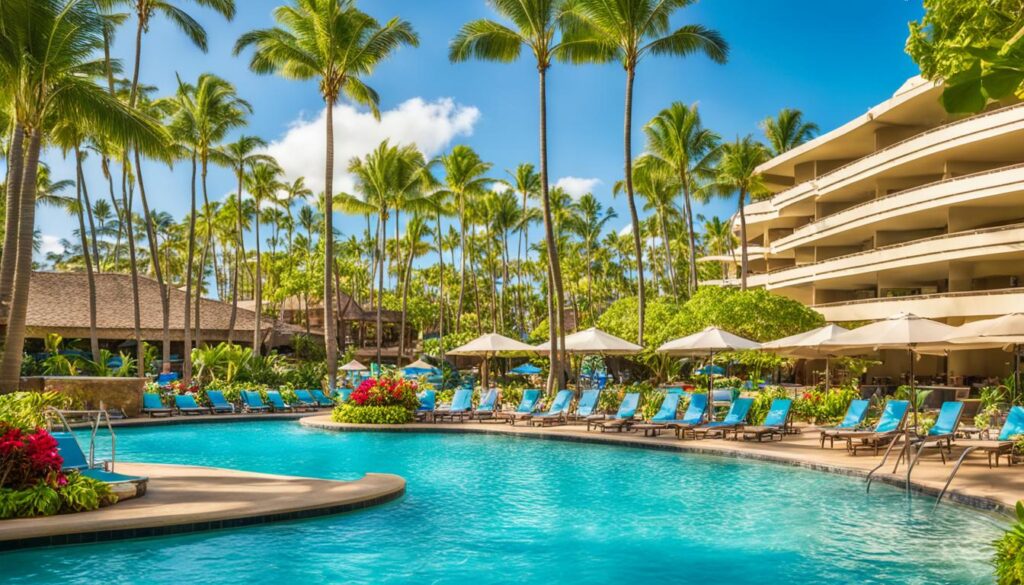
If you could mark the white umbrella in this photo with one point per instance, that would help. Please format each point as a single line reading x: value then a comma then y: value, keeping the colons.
x: 353, y: 366
x: 594, y: 340
x: 708, y: 342
x: 1006, y: 331
x: 806, y: 345
x: 489, y: 345
x: 419, y: 365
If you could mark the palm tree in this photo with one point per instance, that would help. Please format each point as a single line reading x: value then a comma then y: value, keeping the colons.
x: 335, y: 42
x: 677, y: 139
x: 47, y: 71
x: 589, y: 225
x: 737, y: 171
x: 787, y: 130
x: 526, y: 182
x: 628, y: 31
x: 719, y: 240
x: 263, y: 183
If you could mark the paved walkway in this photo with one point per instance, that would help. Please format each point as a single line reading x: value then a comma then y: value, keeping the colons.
x: 996, y: 489
x: 184, y: 499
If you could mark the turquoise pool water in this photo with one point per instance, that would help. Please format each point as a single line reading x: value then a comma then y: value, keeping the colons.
x: 485, y: 509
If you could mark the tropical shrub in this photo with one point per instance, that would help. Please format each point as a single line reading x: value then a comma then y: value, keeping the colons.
x: 763, y: 401
x: 24, y: 410
x: 1008, y: 559
x: 305, y: 374
x: 375, y: 415
x: 385, y: 400
x: 824, y: 406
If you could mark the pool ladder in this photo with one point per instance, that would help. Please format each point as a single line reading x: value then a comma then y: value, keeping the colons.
x: 908, y: 446
x: 94, y: 418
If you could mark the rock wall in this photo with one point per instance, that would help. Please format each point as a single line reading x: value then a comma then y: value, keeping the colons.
x: 89, y: 393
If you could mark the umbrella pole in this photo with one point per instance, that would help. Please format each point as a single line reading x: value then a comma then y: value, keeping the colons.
x: 711, y: 387
x: 827, y: 363
x: 906, y: 428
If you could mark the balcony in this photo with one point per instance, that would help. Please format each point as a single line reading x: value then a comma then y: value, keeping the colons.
x: 932, y: 306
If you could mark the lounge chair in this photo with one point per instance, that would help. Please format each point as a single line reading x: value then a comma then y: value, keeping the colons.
x: 277, y: 403
x: 321, y: 400
x: 694, y: 416
x: 253, y: 402
x: 527, y: 404
x: 1003, y: 443
x: 735, y: 418
x: 775, y: 423
x: 75, y: 460
x: 186, y: 404
x: 462, y: 401
x: 586, y: 405
x: 666, y: 412
x: 305, y: 399
x: 854, y: 417
x: 487, y: 405
x: 893, y: 417
x: 218, y: 403
x: 556, y: 413
x: 623, y: 418
x: 428, y: 401
x: 152, y: 405
x: 341, y: 394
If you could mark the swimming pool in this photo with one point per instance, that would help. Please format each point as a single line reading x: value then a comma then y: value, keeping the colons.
x: 493, y: 509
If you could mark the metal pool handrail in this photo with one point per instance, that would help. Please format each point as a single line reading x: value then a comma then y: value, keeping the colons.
x: 94, y: 417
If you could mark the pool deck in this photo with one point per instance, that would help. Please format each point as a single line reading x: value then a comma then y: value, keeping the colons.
x: 182, y: 499
x: 996, y: 489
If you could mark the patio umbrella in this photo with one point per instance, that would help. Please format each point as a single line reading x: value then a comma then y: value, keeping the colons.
x: 353, y: 366
x: 489, y: 345
x: 526, y: 370
x: 418, y: 366
x: 594, y: 340
x: 1006, y: 331
x: 807, y: 345
x: 708, y: 342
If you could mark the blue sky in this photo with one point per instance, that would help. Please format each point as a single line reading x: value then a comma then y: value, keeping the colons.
x: 831, y: 59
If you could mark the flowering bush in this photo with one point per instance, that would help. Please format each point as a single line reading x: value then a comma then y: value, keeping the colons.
x: 28, y: 458
x: 824, y: 406
x: 386, y: 391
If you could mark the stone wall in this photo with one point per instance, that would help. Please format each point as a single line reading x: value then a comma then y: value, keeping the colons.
x: 89, y: 392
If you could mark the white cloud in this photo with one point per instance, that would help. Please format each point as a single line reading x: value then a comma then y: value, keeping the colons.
x: 430, y: 125
x: 50, y: 243
x: 626, y: 230
x: 577, y: 187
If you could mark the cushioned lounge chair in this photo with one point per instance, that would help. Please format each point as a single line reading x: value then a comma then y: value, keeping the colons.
x: 623, y: 417
x: 305, y: 399
x: 666, y: 412
x: 277, y: 403
x: 219, y: 404
x: 75, y: 460
x: 735, y: 418
x: 556, y: 413
x: 186, y: 404
x: 460, y: 407
x: 488, y: 404
x: 694, y: 416
x: 1003, y: 443
x: 321, y: 399
x: 855, y: 414
x: 253, y: 402
x: 774, y: 425
x: 889, y: 424
x: 586, y: 405
x: 942, y: 433
x: 428, y: 401
x: 152, y: 405
x: 527, y: 404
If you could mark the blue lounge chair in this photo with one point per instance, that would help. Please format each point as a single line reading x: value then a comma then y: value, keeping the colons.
x: 693, y: 416
x: 305, y: 399
x: 186, y: 404
x: 321, y: 400
x: 152, y: 405
x: 75, y: 460
x: 775, y: 423
x: 624, y: 416
x: 253, y: 402
x: 277, y: 403
x: 341, y: 394
x: 461, y: 404
x: 587, y: 404
x: 527, y: 404
x: 485, y: 410
x: 557, y: 411
x: 894, y: 415
x: 428, y: 401
x: 1002, y: 444
x: 218, y: 403
x: 736, y: 417
x: 855, y: 414
x: 942, y: 433
x: 666, y: 412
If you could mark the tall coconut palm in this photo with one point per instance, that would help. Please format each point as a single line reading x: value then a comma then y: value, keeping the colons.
x: 526, y: 182
x: 787, y: 130
x: 591, y: 221
x: 534, y: 25
x: 263, y: 183
x: 337, y: 44
x: 677, y: 138
x: 737, y: 172
x: 627, y: 31
x: 48, y: 68
x: 658, y: 187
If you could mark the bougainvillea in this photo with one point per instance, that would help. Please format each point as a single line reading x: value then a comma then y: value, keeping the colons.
x: 385, y: 391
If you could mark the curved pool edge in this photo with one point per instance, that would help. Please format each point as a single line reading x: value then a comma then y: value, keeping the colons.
x: 995, y: 492
x: 184, y: 499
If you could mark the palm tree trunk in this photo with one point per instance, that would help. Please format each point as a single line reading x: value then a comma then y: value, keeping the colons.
x: 258, y: 286
x: 688, y: 209
x: 382, y: 230
x: 555, y: 309
x: 462, y: 270
x: 330, y: 327
x: 14, y: 341
x: 94, y: 341
x: 743, y: 242
x: 239, y: 254
x: 440, y: 288
x: 118, y: 215
x: 668, y: 256
x: 133, y: 266
x: 186, y: 355
x: 205, y: 253
x: 405, y: 306
x: 92, y: 226
x: 633, y: 217
x: 154, y: 252
x: 15, y: 168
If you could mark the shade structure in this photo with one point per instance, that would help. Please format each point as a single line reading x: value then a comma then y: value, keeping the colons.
x: 594, y: 340
x: 806, y: 345
x: 418, y: 367
x: 354, y: 366
x: 1006, y: 332
x: 708, y: 342
x: 489, y: 345
x: 526, y: 370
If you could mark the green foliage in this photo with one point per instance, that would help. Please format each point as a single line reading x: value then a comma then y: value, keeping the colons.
x: 82, y: 493
x: 377, y: 415
x: 230, y: 363
x: 824, y: 406
x: 306, y: 374
x: 1008, y: 559
x: 38, y: 500
x: 763, y: 401
x: 755, y: 314
x: 307, y: 348
x: 620, y: 320
x: 24, y: 410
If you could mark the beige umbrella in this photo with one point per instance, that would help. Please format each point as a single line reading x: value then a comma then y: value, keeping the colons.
x: 419, y: 365
x: 353, y: 366
x: 489, y: 345
x: 806, y: 345
x: 1006, y: 332
x: 594, y: 340
x: 708, y: 342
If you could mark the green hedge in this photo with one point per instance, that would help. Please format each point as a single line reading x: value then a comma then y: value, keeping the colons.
x: 372, y: 415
